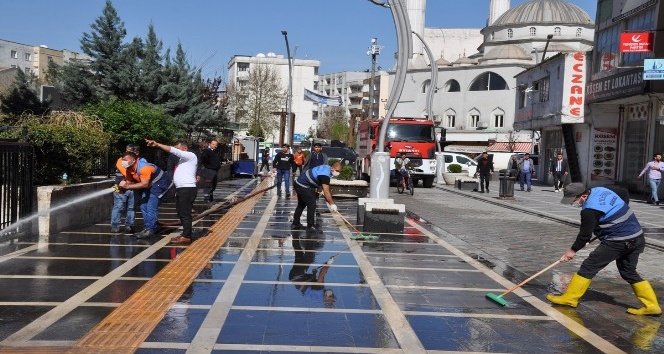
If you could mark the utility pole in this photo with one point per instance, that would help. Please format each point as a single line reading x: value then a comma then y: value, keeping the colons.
x: 290, y: 128
x: 374, y: 50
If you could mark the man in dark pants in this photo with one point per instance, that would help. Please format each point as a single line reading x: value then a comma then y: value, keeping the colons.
x: 484, y: 170
x: 282, y: 165
x: 305, y: 187
x: 606, y: 213
x: 210, y: 164
x: 265, y: 160
x: 184, y: 179
x: 559, y: 169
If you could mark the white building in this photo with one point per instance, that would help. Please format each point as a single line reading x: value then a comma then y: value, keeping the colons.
x: 304, y: 77
x: 475, y: 94
x: 16, y: 55
x: 347, y: 84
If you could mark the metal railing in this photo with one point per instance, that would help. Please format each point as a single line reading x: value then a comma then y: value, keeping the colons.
x: 16, y: 190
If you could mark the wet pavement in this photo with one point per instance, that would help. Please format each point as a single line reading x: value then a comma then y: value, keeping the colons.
x: 270, y: 289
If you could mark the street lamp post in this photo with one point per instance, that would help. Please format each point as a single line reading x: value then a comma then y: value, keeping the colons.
x: 289, y: 127
x: 374, y: 50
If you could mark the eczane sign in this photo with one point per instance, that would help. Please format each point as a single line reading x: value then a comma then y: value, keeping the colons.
x: 574, y: 88
x: 636, y: 42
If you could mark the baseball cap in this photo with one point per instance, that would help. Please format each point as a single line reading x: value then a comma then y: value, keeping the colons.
x: 572, y: 191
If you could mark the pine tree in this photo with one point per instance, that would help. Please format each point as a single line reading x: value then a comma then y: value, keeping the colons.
x: 151, y: 67
x: 22, y: 98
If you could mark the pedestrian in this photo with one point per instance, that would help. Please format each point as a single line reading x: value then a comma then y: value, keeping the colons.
x: 282, y: 163
x: 315, y: 158
x: 401, y: 165
x: 123, y: 198
x: 605, y: 212
x: 298, y: 161
x: 151, y: 182
x: 514, y: 168
x: 265, y: 160
x: 526, y: 171
x: 654, y: 169
x: 484, y: 171
x: 184, y: 179
x: 305, y: 187
x: 559, y: 169
x: 210, y: 163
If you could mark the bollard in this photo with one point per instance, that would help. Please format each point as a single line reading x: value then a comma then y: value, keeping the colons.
x: 361, y: 203
x: 384, y: 218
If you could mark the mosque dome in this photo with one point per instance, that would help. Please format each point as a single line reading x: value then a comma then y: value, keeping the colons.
x: 442, y: 62
x: 464, y: 61
x: 544, y: 12
x: 507, y: 51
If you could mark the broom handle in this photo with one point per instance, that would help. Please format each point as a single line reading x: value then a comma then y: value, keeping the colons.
x: 348, y: 222
x: 539, y: 273
x: 531, y: 278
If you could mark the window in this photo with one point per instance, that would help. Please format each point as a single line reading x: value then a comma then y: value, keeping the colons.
x: 488, y: 81
x: 544, y: 89
x: 13, y: 54
x: 533, y: 31
x: 242, y: 66
x: 556, y: 31
x: 578, y: 32
x: 463, y: 160
x: 448, y: 158
x: 510, y: 33
x: 498, y: 121
x: 492, y: 35
x: 425, y: 86
x: 13, y: 66
x: 522, y: 97
x: 49, y: 58
x: 643, y: 22
x: 27, y: 56
x: 474, y: 120
x: 606, y: 54
x: 452, y: 86
x: 450, y: 120
x: 27, y: 70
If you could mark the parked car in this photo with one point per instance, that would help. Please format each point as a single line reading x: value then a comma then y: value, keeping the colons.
x: 467, y: 164
x: 347, y: 155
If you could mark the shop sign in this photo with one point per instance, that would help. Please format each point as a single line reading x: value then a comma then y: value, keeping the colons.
x: 653, y: 69
x: 605, y: 142
x: 636, y: 42
x: 573, y: 87
x: 621, y: 85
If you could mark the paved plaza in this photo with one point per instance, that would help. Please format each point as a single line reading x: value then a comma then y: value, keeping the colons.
x: 270, y: 289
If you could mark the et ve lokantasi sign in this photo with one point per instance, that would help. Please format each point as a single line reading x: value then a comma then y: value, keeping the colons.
x: 635, y: 42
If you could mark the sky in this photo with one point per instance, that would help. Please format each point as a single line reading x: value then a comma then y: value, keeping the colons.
x: 335, y: 32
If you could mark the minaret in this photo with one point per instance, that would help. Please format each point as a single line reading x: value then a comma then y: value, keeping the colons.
x: 496, y: 9
x: 416, y: 11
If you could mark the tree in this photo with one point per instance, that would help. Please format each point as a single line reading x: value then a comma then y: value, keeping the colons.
x: 22, y: 98
x: 333, y: 125
x: 256, y: 101
x: 151, y: 67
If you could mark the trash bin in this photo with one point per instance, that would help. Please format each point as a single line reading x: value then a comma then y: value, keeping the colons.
x: 506, y: 183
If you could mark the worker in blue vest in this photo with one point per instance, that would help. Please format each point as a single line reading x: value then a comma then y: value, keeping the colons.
x: 305, y: 187
x: 606, y: 213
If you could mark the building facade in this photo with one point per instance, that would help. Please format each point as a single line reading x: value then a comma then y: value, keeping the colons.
x: 304, y: 75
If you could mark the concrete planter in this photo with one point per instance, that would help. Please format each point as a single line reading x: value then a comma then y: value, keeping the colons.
x: 450, y: 178
x: 349, y: 189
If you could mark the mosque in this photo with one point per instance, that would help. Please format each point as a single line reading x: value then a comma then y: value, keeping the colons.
x: 476, y: 93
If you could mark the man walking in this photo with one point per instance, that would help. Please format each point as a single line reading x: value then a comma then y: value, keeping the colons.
x: 484, y: 171
x: 184, y: 179
x: 151, y: 182
x: 526, y: 170
x: 559, y: 169
x: 315, y: 158
x: 265, y: 160
x: 298, y: 161
x: 210, y: 164
x: 282, y: 165
x: 654, y: 169
x: 605, y: 212
x: 305, y: 187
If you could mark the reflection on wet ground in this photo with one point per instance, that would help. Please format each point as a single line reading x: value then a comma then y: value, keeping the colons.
x: 273, y: 289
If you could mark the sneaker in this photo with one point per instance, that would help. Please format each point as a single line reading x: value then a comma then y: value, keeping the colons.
x: 296, y: 225
x: 657, y: 202
x: 529, y: 190
x: 312, y: 229
x: 481, y: 191
x: 115, y: 230
x: 181, y: 240
x: 144, y: 234
x: 128, y: 230
x: 557, y: 190
x: 487, y: 190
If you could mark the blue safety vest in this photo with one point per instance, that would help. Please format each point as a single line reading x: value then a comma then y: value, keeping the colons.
x: 618, y: 221
x: 160, y: 181
x: 310, y: 177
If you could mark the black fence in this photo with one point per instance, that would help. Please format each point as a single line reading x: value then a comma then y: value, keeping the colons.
x: 16, y: 193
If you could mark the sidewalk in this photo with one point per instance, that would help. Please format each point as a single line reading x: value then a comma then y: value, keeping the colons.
x: 544, y: 201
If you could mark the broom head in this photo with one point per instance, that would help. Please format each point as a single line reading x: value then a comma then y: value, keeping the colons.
x: 497, y: 299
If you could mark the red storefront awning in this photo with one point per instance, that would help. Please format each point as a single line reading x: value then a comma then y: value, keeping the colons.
x: 517, y: 147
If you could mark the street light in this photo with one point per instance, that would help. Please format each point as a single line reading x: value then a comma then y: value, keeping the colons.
x: 289, y: 129
x: 374, y: 50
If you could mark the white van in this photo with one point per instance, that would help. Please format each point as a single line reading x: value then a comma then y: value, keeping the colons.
x: 467, y: 164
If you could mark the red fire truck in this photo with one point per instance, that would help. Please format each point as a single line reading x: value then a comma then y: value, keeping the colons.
x: 414, y: 136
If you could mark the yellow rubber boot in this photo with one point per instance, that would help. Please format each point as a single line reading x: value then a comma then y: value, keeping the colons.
x: 647, y: 296
x: 576, y: 288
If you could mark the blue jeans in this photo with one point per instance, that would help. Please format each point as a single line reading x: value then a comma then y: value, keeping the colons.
x: 150, y: 209
x: 525, y: 178
x: 285, y: 176
x: 119, y: 201
x: 654, y: 185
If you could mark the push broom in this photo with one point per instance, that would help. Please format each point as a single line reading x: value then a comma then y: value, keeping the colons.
x: 359, y: 236
x: 499, y: 298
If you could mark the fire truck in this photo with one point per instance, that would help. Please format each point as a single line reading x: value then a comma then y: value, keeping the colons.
x: 414, y: 136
